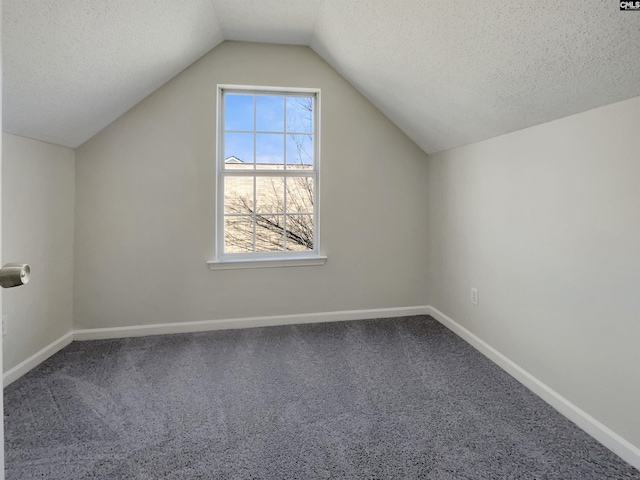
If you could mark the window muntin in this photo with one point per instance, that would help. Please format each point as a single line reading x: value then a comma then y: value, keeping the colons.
x: 267, y: 173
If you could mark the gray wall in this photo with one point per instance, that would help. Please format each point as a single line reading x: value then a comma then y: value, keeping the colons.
x: 145, y: 221
x: 37, y: 220
x: 545, y: 222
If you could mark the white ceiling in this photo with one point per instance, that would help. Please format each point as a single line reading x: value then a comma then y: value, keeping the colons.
x: 448, y: 73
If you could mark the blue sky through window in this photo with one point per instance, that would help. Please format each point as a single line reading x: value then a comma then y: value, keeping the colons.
x: 269, y: 113
x: 239, y: 145
x: 299, y: 114
x: 266, y: 113
x: 299, y: 149
x: 239, y: 112
x: 270, y: 148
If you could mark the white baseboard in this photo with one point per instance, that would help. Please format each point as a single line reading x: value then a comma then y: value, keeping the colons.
x: 203, y: 326
x: 582, y: 419
x: 250, y: 322
x: 36, y: 359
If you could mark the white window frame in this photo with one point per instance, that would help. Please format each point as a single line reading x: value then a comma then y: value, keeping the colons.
x: 224, y: 260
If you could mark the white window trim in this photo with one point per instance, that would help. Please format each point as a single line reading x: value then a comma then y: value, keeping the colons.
x: 227, y: 261
x: 267, y: 263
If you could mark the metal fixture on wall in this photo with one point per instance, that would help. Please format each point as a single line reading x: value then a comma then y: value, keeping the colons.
x: 14, y: 275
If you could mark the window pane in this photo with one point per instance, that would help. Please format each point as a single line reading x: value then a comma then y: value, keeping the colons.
x: 300, y: 195
x: 265, y: 207
x: 270, y: 194
x: 270, y: 150
x: 270, y: 113
x: 238, y: 234
x: 238, y: 150
x: 300, y: 114
x: 269, y: 233
x: 238, y: 195
x: 299, y: 151
x: 299, y: 232
x: 238, y: 111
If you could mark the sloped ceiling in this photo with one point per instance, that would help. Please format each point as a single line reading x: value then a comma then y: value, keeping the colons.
x: 448, y: 73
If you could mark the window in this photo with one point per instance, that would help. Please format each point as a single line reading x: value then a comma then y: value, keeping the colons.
x: 267, y: 173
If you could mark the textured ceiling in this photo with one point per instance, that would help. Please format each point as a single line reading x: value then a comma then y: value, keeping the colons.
x: 71, y: 67
x: 284, y: 21
x: 450, y: 73
x: 447, y: 73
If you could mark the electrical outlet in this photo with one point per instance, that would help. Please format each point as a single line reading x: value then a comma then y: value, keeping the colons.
x: 4, y: 324
x: 474, y: 296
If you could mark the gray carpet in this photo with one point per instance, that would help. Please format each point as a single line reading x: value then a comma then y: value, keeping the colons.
x: 395, y: 398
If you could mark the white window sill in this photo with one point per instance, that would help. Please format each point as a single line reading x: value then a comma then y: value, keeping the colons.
x: 266, y: 263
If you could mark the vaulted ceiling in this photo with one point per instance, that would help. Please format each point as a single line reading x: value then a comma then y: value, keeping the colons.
x: 448, y: 73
